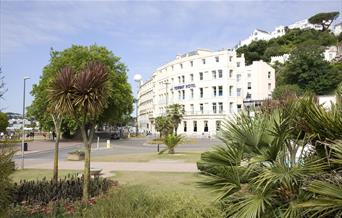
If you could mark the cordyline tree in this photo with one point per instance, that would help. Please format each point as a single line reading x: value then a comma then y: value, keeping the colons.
x: 324, y: 19
x: 77, y: 57
x: 175, y: 112
x: 82, y: 96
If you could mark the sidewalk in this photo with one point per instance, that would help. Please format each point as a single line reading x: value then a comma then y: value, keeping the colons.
x: 108, y: 167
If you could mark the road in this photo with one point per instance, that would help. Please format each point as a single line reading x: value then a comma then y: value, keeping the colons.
x: 42, y: 152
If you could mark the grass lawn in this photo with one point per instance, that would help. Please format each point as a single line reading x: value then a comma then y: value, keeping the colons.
x: 168, y: 182
x: 34, y: 174
x: 188, y: 157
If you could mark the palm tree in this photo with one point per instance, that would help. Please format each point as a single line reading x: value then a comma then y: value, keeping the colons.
x: 264, y: 164
x: 175, y: 112
x: 57, y: 121
x: 163, y: 125
x: 171, y: 141
x: 83, y: 96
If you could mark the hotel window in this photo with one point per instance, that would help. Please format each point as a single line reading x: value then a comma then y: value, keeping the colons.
x: 217, y: 59
x: 195, y: 126
x: 203, y: 61
x: 179, y: 95
x: 238, y: 77
x: 249, y: 85
x: 220, y: 104
x: 220, y: 90
x: 231, y: 107
x: 214, y: 91
x: 183, y: 94
x: 179, y: 79
x: 230, y: 58
x: 220, y: 74
x: 201, y: 108
x: 201, y: 92
x: 172, y: 67
x: 172, y: 80
x: 191, y: 63
x: 230, y: 90
x: 206, y: 128
x: 181, y: 66
x: 201, y: 75
x: 238, y: 107
x: 214, y: 74
x: 192, y: 109
x: 183, y: 79
x: 218, y: 125
x: 191, y: 77
x: 249, y: 75
x: 269, y: 86
x: 238, y: 64
x: 238, y: 92
x: 230, y: 73
x: 184, y: 125
x: 214, y: 108
x: 269, y: 75
x: 191, y: 93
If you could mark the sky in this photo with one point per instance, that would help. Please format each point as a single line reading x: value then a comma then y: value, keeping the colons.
x: 145, y: 34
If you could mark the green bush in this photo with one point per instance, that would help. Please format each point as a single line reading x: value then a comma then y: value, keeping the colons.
x: 6, y: 169
x: 44, y: 191
x: 141, y: 202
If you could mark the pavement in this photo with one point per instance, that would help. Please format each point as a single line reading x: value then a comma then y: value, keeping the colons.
x: 40, y: 155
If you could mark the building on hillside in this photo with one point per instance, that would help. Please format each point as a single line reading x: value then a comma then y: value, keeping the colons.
x: 330, y: 53
x: 338, y: 29
x: 281, y: 59
x: 210, y: 85
x: 256, y: 35
x: 304, y: 24
x: 280, y: 31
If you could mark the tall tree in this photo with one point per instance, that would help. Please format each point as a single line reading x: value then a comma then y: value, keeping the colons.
x: 175, y: 112
x: 77, y: 57
x: 324, y: 19
x: 3, y: 122
x: 308, y: 69
x: 163, y: 125
x: 83, y: 96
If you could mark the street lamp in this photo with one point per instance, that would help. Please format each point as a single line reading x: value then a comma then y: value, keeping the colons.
x: 137, y: 78
x: 23, y: 137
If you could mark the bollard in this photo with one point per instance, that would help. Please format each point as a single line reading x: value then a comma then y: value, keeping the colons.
x: 158, y: 148
x: 108, y: 143
x: 98, y: 143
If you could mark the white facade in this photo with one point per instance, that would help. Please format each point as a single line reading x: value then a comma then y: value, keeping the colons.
x: 338, y: 29
x: 211, y: 86
x: 330, y: 53
x: 281, y: 59
x: 278, y: 31
x: 255, y: 36
x: 305, y: 24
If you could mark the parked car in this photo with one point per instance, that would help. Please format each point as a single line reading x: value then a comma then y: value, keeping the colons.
x: 115, y: 135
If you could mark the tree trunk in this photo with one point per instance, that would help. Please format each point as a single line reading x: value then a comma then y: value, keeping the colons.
x: 176, y: 130
x: 172, y: 151
x: 87, y: 140
x: 86, y: 174
x: 57, y: 120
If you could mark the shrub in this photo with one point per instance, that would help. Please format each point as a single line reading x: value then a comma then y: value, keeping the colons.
x: 6, y: 169
x: 44, y: 191
x: 141, y: 202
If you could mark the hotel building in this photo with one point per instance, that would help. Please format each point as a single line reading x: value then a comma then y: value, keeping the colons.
x: 211, y: 86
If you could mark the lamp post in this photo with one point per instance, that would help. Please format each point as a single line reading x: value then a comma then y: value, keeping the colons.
x: 137, y: 78
x: 23, y: 136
